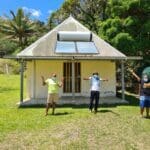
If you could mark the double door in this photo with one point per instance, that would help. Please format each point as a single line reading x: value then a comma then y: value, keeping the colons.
x: 72, y: 77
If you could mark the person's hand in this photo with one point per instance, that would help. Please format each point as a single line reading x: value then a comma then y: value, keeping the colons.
x: 43, y: 80
x: 86, y: 78
x: 105, y: 79
x: 146, y: 85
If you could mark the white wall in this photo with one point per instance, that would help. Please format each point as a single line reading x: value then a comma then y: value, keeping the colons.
x: 35, y: 69
x: 42, y: 68
x: 106, y: 69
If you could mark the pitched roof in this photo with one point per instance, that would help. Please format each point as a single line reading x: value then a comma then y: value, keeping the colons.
x: 45, y: 46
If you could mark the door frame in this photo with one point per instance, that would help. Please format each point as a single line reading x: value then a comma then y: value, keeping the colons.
x: 73, y: 93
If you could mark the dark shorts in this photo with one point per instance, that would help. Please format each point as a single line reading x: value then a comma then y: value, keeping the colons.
x: 144, y: 101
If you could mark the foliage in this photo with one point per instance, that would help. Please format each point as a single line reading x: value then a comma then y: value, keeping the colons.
x: 39, y: 31
x: 18, y: 28
x: 116, y: 9
x: 88, y: 12
x: 124, y: 42
x: 110, y: 28
x: 7, y: 46
x: 9, y: 66
x: 69, y: 7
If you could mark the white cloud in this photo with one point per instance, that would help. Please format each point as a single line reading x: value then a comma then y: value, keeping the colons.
x: 33, y: 12
x: 50, y: 11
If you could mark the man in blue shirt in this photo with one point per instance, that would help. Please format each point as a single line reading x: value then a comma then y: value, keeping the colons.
x: 95, y: 90
x: 144, y: 92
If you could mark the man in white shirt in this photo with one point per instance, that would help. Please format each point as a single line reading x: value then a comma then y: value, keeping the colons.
x: 95, y: 90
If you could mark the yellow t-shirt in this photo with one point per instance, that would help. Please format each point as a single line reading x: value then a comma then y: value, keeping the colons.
x: 52, y: 85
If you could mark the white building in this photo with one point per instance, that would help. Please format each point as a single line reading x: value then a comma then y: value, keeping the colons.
x: 73, y: 52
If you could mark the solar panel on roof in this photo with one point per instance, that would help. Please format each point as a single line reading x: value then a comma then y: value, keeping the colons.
x: 65, y: 47
x: 76, y: 47
x: 86, y: 47
x: 75, y: 42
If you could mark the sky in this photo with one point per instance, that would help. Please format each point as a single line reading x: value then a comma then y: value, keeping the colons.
x: 39, y: 9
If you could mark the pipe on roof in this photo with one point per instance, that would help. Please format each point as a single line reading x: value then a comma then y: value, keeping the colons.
x: 74, y: 36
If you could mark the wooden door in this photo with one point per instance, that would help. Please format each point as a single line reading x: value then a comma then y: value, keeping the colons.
x: 72, y: 77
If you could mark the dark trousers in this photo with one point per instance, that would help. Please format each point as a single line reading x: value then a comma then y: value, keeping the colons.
x: 94, y: 96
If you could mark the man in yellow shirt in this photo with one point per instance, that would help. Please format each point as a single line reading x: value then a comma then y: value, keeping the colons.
x: 53, y: 90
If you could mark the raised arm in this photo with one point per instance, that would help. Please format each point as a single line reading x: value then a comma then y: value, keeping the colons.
x: 86, y: 78
x: 60, y: 84
x: 134, y: 74
x: 104, y: 79
x: 146, y: 85
x: 43, y: 80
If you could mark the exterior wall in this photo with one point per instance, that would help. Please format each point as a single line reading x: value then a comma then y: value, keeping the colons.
x: 30, y: 80
x: 106, y: 69
x: 38, y: 68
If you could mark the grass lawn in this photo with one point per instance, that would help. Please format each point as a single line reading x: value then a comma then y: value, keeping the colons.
x: 72, y: 128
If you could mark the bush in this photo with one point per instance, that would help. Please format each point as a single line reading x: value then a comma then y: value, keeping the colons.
x: 9, y: 66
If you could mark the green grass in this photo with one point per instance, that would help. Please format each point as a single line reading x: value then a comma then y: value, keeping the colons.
x: 72, y: 128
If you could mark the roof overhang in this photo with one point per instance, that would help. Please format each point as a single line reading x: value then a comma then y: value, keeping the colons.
x: 83, y: 57
x: 69, y: 57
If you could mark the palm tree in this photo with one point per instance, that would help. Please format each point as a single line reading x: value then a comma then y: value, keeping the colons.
x: 19, y: 28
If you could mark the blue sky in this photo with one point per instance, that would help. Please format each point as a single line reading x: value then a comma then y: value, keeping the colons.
x: 40, y: 9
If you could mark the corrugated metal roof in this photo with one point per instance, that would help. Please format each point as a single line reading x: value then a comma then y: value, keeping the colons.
x: 45, y: 46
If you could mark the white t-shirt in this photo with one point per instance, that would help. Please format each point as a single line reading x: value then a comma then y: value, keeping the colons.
x: 95, y: 83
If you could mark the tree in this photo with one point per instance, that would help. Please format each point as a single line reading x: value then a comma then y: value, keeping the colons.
x: 40, y: 29
x: 69, y: 7
x: 124, y: 42
x: 110, y: 28
x: 19, y: 28
x: 6, y: 46
x: 88, y: 12
x: 116, y: 8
